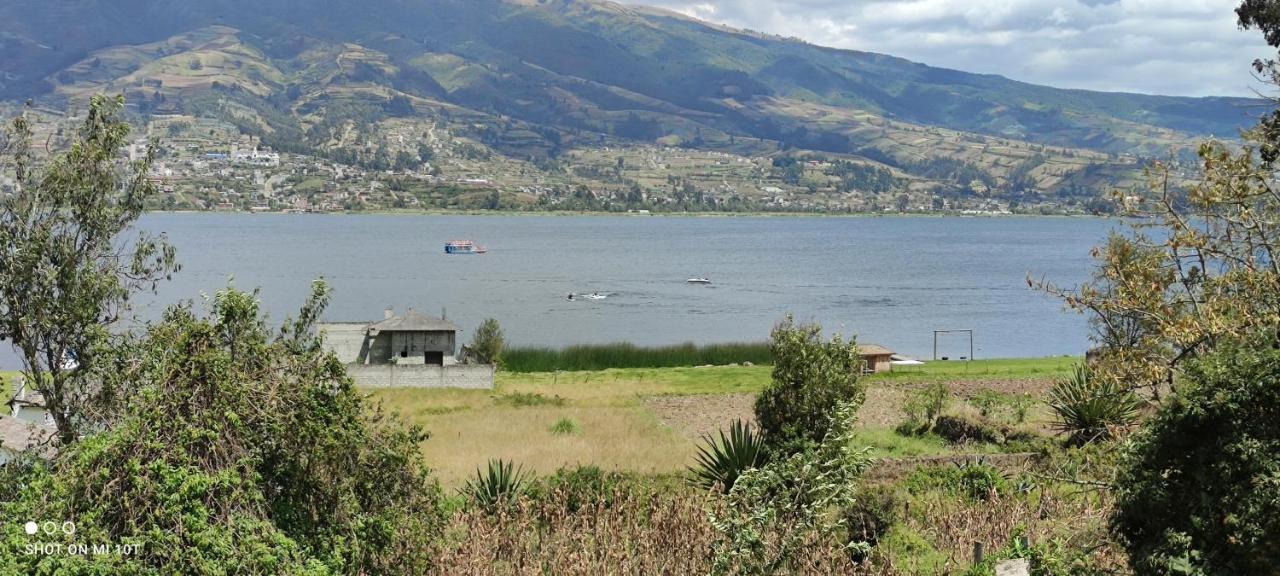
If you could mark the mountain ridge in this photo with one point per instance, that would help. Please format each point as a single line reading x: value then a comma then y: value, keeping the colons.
x: 533, y: 78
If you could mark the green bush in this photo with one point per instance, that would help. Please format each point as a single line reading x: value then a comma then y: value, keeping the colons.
x: 924, y: 406
x: 237, y: 451
x: 810, y: 378
x: 500, y: 484
x: 721, y: 462
x: 625, y: 355
x: 486, y: 343
x: 980, y: 481
x: 959, y: 429
x: 874, y: 511
x: 994, y: 405
x: 1089, y: 408
x: 564, y: 426
x: 974, y: 480
x: 582, y: 488
x: 527, y: 399
x: 1199, y: 493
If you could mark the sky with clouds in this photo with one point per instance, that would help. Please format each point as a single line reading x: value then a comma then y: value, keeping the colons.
x: 1178, y: 47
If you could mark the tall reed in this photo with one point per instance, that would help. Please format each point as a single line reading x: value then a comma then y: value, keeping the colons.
x: 627, y: 355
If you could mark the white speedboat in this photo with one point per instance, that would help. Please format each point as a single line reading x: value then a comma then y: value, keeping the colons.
x: 698, y: 280
x: 595, y: 296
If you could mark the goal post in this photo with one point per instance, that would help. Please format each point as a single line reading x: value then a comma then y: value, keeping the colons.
x: 968, y: 331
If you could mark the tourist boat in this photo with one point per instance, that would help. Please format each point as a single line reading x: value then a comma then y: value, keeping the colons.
x: 463, y: 247
x: 698, y: 280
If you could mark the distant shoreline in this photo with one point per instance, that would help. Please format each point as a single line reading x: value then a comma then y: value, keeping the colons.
x: 567, y: 213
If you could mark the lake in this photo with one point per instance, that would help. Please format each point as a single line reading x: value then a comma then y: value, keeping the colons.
x: 890, y: 280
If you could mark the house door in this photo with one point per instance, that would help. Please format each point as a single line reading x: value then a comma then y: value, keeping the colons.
x: 434, y: 358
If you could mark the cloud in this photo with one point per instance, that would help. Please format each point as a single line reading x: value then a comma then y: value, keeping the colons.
x: 1179, y: 47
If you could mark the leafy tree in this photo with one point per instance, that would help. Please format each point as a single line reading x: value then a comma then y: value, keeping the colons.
x: 487, y: 342
x: 66, y: 271
x: 810, y: 378
x: 1200, y: 491
x: 239, y: 451
x: 772, y: 511
x: 1210, y: 272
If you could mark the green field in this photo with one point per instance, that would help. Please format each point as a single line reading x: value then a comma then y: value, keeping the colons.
x: 650, y: 420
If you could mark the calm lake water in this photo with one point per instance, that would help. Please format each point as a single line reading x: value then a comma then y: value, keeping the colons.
x: 891, y: 281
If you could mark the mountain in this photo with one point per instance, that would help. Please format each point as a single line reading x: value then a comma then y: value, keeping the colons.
x: 533, y: 78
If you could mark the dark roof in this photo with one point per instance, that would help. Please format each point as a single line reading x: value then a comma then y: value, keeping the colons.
x: 414, y: 321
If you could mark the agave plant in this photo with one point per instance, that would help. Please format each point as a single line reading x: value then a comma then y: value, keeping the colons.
x: 500, y: 484
x: 721, y: 461
x: 1090, y: 408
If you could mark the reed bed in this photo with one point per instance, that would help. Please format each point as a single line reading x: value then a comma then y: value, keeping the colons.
x: 627, y: 355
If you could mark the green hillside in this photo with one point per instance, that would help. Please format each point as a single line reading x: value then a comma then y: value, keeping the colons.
x: 533, y: 79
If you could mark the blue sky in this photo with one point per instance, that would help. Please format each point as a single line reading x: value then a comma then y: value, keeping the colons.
x: 1178, y: 47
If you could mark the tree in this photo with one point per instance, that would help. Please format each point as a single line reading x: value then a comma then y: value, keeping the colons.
x: 810, y: 378
x: 239, y: 450
x: 66, y: 271
x: 486, y: 344
x: 1210, y: 271
x: 1200, y: 492
x: 772, y: 511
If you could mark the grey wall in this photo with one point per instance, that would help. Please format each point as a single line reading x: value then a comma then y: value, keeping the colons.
x: 346, y: 340
x: 468, y: 376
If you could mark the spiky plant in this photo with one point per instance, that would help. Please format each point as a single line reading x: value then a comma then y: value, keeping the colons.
x: 1089, y: 408
x: 500, y: 484
x: 721, y: 461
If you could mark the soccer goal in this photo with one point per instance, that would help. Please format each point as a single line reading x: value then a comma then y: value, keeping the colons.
x: 951, y: 339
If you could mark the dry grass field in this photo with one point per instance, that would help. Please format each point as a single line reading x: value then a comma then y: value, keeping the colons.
x: 650, y: 420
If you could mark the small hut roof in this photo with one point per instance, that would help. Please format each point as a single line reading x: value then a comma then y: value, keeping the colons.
x: 873, y: 350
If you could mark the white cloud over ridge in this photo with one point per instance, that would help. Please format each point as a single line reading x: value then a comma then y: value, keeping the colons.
x: 1175, y: 47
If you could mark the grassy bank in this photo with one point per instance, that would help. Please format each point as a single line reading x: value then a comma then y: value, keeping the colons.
x: 1052, y: 367
x: 649, y: 420
x: 625, y: 355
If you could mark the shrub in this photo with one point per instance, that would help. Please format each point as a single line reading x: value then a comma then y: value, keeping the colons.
x: 486, y: 344
x: 237, y: 450
x: 1199, y: 493
x: 721, y: 462
x: 958, y: 429
x: 810, y: 378
x: 975, y: 480
x: 980, y: 481
x: 1090, y: 408
x: 775, y: 510
x: 582, y: 487
x: 564, y: 426
x: 999, y: 406
x: 925, y: 405
x: 500, y: 484
x: 874, y: 511
x: 527, y: 399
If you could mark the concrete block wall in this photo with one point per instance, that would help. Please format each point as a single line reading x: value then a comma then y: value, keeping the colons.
x: 345, y: 340
x: 467, y: 376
